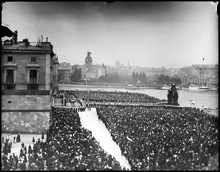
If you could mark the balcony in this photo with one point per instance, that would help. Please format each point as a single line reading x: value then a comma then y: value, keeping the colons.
x: 9, y: 86
x: 33, y: 81
x: 32, y: 86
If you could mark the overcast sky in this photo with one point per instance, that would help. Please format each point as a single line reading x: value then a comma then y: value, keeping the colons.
x: 149, y: 34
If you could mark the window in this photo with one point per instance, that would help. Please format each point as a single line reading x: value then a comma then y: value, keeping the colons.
x: 33, y: 81
x: 9, y: 76
x: 10, y: 59
x: 33, y: 77
x: 9, y: 79
x: 33, y: 59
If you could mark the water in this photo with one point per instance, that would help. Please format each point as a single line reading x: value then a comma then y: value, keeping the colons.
x: 90, y: 121
x: 201, y: 98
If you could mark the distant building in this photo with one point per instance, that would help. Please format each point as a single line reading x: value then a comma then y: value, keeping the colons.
x: 28, y: 73
x: 90, y: 71
x: 200, y: 75
x: 64, y: 70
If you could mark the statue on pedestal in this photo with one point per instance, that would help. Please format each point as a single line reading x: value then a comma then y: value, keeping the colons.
x: 172, y: 95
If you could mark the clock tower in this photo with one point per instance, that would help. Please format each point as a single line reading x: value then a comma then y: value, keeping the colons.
x: 88, y: 60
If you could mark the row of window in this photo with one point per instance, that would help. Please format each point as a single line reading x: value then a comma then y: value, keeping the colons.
x: 10, y: 83
x: 212, y: 79
x: 11, y: 59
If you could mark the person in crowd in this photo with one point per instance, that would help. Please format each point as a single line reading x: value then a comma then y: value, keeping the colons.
x: 33, y: 140
x: 18, y: 138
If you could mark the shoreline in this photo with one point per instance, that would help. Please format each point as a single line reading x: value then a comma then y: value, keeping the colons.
x: 90, y: 86
x: 124, y: 87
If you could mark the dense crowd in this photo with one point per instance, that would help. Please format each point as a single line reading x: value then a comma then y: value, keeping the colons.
x: 68, y: 146
x: 151, y: 138
x: 110, y: 96
x: 162, y: 139
x: 77, y: 146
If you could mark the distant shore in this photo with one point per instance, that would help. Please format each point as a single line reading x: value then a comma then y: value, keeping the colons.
x: 100, y: 86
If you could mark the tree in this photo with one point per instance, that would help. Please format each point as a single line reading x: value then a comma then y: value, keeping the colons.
x: 142, y: 78
x: 110, y: 78
x: 163, y: 79
x: 76, y: 75
x: 79, y: 75
x: 175, y: 79
x: 135, y: 77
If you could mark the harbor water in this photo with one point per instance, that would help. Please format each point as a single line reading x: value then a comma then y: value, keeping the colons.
x: 201, y: 98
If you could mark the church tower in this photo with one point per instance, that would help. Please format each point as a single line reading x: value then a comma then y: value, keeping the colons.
x: 88, y: 60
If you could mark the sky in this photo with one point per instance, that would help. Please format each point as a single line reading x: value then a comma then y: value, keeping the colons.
x: 148, y: 34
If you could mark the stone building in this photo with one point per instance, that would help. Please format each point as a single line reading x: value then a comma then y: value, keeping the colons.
x: 90, y: 71
x: 64, y: 70
x: 28, y: 73
x: 200, y: 75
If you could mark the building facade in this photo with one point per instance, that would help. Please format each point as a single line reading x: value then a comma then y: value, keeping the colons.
x: 64, y: 70
x: 200, y: 75
x: 90, y: 71
x: 28, y: 73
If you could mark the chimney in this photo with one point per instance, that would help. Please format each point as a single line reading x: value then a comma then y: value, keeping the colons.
x: 46, y: 39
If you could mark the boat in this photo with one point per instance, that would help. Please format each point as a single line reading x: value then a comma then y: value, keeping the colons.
x: 131, y: 87
x: 165, y: 87
x: 204, y: 88
x: 213, y: 88
x: 193, y: 87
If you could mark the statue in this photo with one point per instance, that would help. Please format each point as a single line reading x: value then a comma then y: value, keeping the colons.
x: 172, y: 95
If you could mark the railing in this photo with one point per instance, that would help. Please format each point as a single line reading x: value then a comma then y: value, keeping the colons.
x: 33, y: 81
x: 32, y: 86
x: 28, y: 45
x: 9, y: 86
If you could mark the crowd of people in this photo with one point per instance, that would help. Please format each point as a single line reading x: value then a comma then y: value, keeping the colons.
x: 110, y: 96
x: 68, y: 146
x: 10, y: 161
x: 162, y: 139
x: 151, y: 138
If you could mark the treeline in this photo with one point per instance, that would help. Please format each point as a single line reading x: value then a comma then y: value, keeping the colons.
x: 114, y: 78
x: 165, y: 79
x: 139, y: 78
x: 76, y: 75
x: 136, y: 78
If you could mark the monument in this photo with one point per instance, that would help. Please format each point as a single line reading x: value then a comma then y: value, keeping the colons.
x: 172, y: 95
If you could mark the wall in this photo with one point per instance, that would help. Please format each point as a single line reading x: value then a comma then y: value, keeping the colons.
x: 25, y: 113
x: 26, y: 102
x: 25, y: 122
